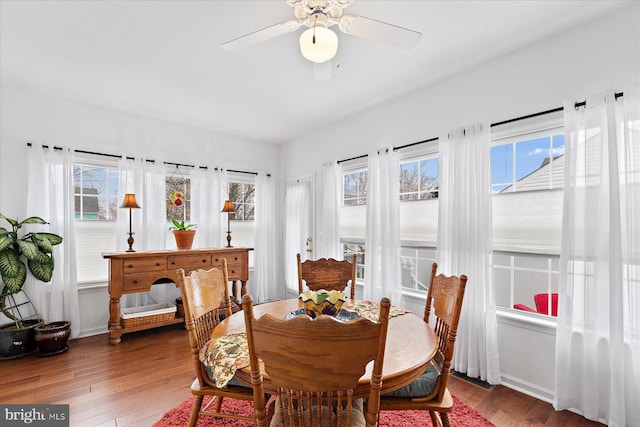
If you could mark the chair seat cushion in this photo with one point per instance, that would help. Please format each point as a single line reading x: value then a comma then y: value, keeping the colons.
x: 423, y: 386
x: 232, y: 381
x: 357, y: 416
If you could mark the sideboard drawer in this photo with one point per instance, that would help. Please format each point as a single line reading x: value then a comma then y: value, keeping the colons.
x: 234, y: 265
x: 139, y: 265
x: 136, y: 282
x: 189, y: 262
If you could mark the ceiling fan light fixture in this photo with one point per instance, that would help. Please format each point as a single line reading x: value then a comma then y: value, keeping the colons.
x: 318, y: 44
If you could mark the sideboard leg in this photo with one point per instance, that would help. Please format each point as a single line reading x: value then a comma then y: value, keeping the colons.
x: 114, y: 326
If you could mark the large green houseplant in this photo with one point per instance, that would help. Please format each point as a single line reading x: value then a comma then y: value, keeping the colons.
x: 19, y: 253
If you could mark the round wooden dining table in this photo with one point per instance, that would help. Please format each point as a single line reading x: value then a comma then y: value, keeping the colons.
x: 411, y: 343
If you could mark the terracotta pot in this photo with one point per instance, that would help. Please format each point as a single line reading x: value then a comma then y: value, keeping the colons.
x: 52, y: 337
x: 184, y: 238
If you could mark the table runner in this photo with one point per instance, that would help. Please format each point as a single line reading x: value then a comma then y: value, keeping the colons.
x: 226, y: 354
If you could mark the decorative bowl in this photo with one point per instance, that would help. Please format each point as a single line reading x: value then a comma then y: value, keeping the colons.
x: 322, y: 302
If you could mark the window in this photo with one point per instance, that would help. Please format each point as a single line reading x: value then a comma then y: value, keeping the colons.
x: 416, y: 267
x: 419, y: 179
x: 518, y: 278
x: 532, y: 164
x: 527, y: 168
x: 242, y: 195
x: 96, y: 192
x: 355, y: 187
x: 96, y: 209
x: 350, y: 248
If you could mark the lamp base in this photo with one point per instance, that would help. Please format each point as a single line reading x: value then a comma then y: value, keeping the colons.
x: 130, y: 242
x: 229, y: 239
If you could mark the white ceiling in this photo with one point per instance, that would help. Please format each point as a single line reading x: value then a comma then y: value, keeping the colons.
x: 163, y: 58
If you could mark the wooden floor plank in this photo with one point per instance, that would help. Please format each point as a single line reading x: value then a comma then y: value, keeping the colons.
x: 149, y: 372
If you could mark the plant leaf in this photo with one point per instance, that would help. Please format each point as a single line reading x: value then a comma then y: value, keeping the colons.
x: 12, y: 270
x: 33, y: 220
x: 6, y: 240
x: 41, y: 271
x: 11, y: 221
x: 29, y: 249
x: 54, y: 239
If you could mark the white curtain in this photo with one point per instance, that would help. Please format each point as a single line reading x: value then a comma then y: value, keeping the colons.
x: 328, y: 244
x: 209, y: 190
x: 464, y: 246
x: 147, y: 181
x: 51, y: 197
x: 265, y: 259
x: 297, y: 204
x: 598, y: 332
x: 382, y: 276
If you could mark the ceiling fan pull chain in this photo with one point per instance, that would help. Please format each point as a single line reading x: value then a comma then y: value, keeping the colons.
x: 313, y: 40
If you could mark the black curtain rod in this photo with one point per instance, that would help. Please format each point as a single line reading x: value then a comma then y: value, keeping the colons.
x: 554, y: 110
x: 352, y: 158
x: 248, y: 173
x: 400, y: 147
x: 29, y: 144
x: 415, y: 143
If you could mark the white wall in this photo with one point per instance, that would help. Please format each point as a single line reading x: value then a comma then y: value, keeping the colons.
x: 43, y: 119
x: 573, y: 65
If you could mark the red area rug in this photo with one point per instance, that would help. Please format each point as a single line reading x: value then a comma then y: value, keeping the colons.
x: 462, y: 415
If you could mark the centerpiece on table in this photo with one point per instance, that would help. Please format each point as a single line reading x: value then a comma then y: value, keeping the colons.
x: 322, y: 302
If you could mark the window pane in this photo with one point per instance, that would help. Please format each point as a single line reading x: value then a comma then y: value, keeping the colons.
x: 96, y: 190
x: 539, y: 164
x: 409, y: 177
x: 501, y: 167
x: 242, y: 195
x: 530, y: 275
x: 501, y: 284
x: 355, y: 188
x: 429, y: 178
x: 531, y: 156
x: 348, y: 250
x: 419, y: 179
x: 416, y: 267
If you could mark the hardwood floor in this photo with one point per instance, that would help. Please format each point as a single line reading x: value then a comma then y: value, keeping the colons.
x: 149, y: 372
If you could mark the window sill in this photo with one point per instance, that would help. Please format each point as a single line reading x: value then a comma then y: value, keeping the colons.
x: 97, y: 284
x: 534, y: 322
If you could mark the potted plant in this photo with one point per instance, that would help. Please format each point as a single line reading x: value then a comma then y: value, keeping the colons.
x: 20, y: 254
x: 183, y: 233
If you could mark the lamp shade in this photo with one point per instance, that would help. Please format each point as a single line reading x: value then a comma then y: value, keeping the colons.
x: 318, y: 44
x: 228, y: 206
x: 130, y: 201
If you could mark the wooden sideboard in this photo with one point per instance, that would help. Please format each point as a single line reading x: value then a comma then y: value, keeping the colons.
x: 131, y: 272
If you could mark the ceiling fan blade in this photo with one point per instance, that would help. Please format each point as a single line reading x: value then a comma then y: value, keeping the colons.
x: 261, y: 36
x: 379, y: 31
x: 322, y: 71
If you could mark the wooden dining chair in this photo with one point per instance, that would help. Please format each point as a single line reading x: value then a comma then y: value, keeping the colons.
x: 329, y: 274
x: 315, y: 365
x: 205, y: 294
x: 429, y: 392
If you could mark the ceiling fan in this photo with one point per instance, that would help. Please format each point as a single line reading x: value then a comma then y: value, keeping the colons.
x: 319, y: 43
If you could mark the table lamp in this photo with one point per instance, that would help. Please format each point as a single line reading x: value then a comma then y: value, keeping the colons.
x: 228, y: 208
x: 130, y: 202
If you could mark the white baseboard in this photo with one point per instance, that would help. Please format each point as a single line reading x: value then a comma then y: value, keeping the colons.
x: 527, y: 388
